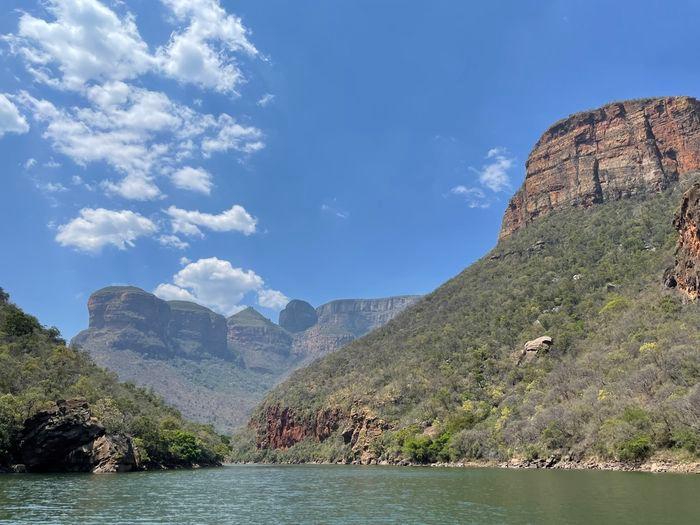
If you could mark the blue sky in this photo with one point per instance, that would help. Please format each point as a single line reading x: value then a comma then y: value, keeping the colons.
x: 242, y: 153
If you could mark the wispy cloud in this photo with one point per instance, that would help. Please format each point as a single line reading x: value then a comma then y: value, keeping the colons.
x: 333, y: 209
x: 492, y: 178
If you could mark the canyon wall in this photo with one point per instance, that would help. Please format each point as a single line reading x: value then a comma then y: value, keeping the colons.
x: 616, y: 151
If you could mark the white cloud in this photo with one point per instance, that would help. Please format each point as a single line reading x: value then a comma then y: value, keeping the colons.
x: 272, y: 299
x: 170, y: 292
x: 189, y: 222
x: 173, y: 241
x: 94, y: 229
x: 139, y: 133
x: 494, y: 175
x: 51, y: 187
x: 134, y: 186
x: 30, y: 163
x: 334, y: 210
x: 265, y: 100
x: 193, y: 179
x: 85, y: 41
x: 11, y: 120
x: 214, y: 283
x: 233, y: 136
x: 203, y: 53
x: 474, y: 197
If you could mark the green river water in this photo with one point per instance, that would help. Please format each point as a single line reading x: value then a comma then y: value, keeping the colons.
x: 349, y: 494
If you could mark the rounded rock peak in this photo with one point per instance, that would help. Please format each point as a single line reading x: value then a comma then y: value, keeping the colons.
x: 297, y: 316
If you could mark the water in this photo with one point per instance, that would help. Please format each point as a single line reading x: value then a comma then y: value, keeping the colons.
x: 352, y: 495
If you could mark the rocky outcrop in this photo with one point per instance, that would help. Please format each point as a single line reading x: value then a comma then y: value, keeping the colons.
x: 297, y: 316
x: 533, y: 348
x: 362, y: 430
x: 342, y: 321
x: 685, y: 273
x: 261, y: 344
x: 66, y: 438
x: 281, y: 428
x: 619, y: 150
x: 128, y: 318
x: 196, y: 330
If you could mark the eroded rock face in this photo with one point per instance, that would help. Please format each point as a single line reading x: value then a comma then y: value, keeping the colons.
x: 297, y: 316
x: 261, y: 344
x: 196, y: 330
x: 66, y: 438
x: 128, y: 318
x: 685, y: 274
x: 282, y: 427
x: 619, y: 150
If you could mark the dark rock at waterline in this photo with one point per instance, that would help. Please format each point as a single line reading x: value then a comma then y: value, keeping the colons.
x: 66, y: 438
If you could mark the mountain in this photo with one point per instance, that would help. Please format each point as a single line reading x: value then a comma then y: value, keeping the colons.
x: 573, y: 342
x: 215, y: 370
x: 61, y: 412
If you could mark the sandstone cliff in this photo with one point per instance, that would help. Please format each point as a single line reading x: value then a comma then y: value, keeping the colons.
x: 214, y: 369
x: 685, y: 274
x: 619, y: 150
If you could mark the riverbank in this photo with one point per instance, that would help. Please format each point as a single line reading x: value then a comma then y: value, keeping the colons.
x: 655, y: 464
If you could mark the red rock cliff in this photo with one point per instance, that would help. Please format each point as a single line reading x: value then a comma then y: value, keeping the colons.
x: 685, y: 274
x: 619, y: 150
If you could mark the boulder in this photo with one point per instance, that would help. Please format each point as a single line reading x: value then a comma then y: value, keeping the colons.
x: 66, y: 438
x: 533, y: 348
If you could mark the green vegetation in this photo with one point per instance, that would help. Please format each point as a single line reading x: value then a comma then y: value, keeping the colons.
x: 38, y: 368
x: 620, y: 381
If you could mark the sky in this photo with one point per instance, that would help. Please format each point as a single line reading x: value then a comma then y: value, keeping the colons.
x: 242, y: 153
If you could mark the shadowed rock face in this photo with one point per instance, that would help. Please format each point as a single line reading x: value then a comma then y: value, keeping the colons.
x: 619, y: 150
x: 214, y: 369
x: 128, y: 318
x: 297, y: 316
x: 67, y: 438
x: 685, y: 274
x: 261, y: 344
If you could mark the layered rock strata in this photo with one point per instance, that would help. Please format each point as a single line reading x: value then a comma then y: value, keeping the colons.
x: 616, y: 151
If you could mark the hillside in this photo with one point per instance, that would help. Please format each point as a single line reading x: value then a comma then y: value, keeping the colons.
x: 39, y: 372
x: 213, y: 369
x: 449, y: 379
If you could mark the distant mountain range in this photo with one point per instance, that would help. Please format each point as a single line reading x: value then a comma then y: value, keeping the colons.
x: 212, y: 368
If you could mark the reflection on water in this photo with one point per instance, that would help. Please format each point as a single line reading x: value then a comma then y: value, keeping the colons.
x: 345, y: 494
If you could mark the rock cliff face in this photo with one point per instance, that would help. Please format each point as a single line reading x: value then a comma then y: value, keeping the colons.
x: 261, y: 344
x: 297, y: 316
x: 283, y: 427
x: 685, y: 274
x: 619, y: 150
x: 211, y: 368
x: 66, y: 438
x: 128, y: 318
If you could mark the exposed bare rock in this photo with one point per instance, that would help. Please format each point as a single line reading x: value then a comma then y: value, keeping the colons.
x: 619, y: 150
x: 282, y: 427
x: 363, y: 428
x: 533, y: 348
x: 196, y: 331
x: 262, y: 344
x: 685, y: 274
x: 297, y: 316
x: 66, y: 438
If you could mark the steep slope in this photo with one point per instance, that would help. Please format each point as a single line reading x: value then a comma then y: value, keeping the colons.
x: 215, y: 370
x: 622, y: 149
x: 105, y: 426
x: 561, y: 343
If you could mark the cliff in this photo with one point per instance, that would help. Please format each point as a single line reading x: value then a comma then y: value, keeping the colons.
x: 559, y: 345
x: 616, y: 151
x: 128, y: 318
x: 685, y: 273
x: 214, y: 369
